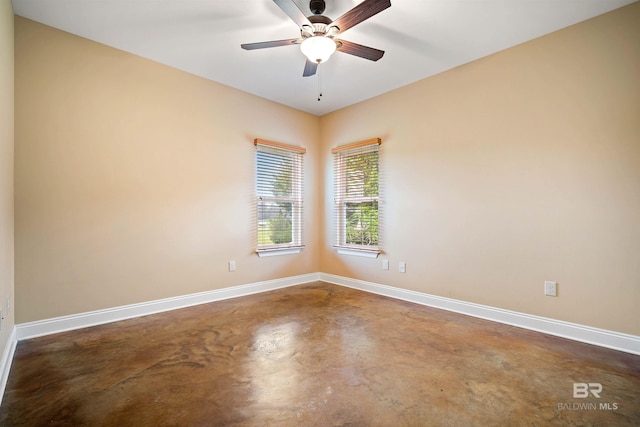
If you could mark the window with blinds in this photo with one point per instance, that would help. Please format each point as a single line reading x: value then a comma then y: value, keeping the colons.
x: 279, y: 189
x: 357, y: 195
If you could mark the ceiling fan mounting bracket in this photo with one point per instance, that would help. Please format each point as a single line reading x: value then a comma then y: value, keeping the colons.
x: 317, y: 7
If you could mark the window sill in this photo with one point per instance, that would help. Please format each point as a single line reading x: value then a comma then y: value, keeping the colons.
x: 366, y: 253
x: 278, y: 251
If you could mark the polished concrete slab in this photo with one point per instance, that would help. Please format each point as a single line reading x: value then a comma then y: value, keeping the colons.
x: 316, y: 355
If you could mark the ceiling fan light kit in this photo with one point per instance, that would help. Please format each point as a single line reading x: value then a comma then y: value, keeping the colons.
x: 318, y: 33
x: 318, y: 48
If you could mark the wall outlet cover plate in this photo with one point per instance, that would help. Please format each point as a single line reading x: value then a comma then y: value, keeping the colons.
x: 550, y: 288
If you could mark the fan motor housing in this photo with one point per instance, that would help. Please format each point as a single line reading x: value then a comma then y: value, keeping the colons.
x: 320, y: 19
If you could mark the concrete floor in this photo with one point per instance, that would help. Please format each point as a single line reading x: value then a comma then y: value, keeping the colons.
x: 316, y: 355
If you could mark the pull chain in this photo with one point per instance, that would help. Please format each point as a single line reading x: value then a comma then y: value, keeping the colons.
x: 319, y: 86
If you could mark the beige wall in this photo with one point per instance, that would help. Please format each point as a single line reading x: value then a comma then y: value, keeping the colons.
x: 134, y: 181
x: 512, y: 170
x: 6, y: 172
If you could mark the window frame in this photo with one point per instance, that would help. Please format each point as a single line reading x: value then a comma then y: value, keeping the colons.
x: 296, y: 198
x: 342, y: 199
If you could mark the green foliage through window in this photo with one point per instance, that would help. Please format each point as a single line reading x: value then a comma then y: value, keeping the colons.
x: 362, y: 223
x: 280, y: 226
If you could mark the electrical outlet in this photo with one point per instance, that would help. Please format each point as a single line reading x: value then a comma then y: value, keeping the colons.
x: 402, y: 267
x: 550, y: 289
x: 385, y: 264
x: 232, y: 266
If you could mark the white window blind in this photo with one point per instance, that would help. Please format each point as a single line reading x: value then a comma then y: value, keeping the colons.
x: 279, y: 190
x: 357, y: 210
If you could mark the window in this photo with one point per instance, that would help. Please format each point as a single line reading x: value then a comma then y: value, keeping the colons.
x: 357, y: 198
x: 279, y: 197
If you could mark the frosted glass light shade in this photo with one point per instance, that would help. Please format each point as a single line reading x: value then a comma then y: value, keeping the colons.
x: 318, y: 48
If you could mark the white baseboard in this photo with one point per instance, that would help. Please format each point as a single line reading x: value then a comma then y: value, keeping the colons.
x: 587, y: 334
x: 93, y: 318
x: 7, y: 360
x: 600, y: 337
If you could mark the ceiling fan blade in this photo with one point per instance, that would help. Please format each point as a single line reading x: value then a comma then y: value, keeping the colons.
x: 293, y: 11
x: 361, y: 12
x: 359, y: 50
x: 273, y: 43
x: 310, y: 68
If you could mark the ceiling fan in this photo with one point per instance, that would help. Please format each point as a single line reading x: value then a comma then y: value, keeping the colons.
x: 319, y: 34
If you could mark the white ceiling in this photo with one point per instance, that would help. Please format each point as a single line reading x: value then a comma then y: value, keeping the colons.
x: 203, y: 37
